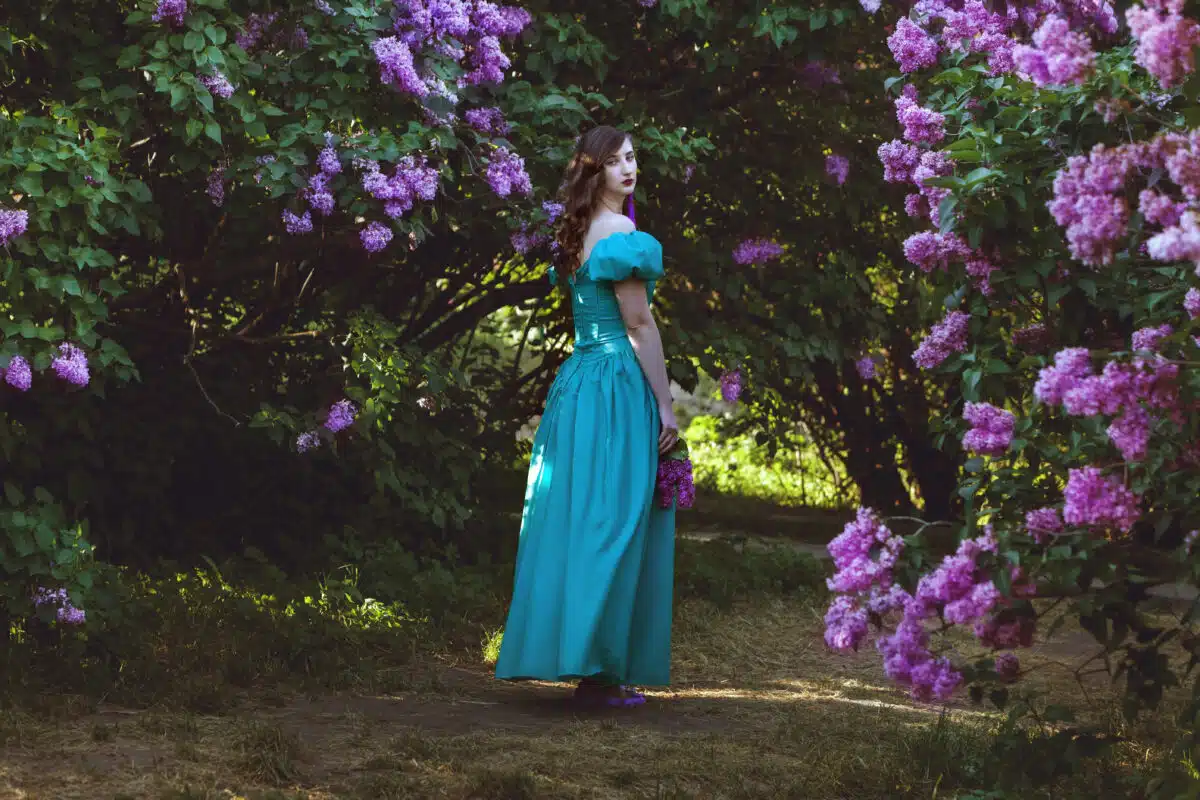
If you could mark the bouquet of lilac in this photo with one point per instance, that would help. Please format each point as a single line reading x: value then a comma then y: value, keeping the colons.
x: 674, y: 482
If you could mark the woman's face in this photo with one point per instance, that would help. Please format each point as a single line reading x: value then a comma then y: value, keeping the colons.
x: 620, y: 170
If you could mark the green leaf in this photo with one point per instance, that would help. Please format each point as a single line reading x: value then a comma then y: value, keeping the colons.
x: 194, y: 127
x: 14, y: 495
x: 193, y: 41
x: 90, y: 82
x: 213, y: 130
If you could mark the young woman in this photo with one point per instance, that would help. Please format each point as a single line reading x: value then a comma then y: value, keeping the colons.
x: 595, y: 564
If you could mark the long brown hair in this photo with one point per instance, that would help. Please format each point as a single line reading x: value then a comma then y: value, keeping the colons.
x: 581, y: 191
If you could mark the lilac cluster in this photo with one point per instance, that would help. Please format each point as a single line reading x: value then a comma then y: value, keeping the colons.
x: 921, y: 125
x: 845, y: 624
x: 1034, y: 338
x: 218, y: 84
x: 1093, y: 498
x: 908, y: 661
x: 991, y: 429
x: 867, y: 367
x: 172, y: 11
x: 756, y: 251
x: 1191, y: 303
x: 731, y: 385
x: 215, y: 185
x: 1150, y: 338
x: 956, y: 587
x: 396, y: 66
x: 673, y: 483
x: 13, y: 223
x: 1006, y: 631
x: 1128, y: 391
x: 1058, y: 56
x: 308, y: 441
x: 1043, y: 522
x: 1165, y: 40
x: 256, y: 29
x: 324, y: 7
x: 526, y: 238
x: 930, y: 250
x: 297, y: 224
x: 863, y: 554
x: 487, y: 120
x: 18, y: 374
x: 506, y: 173
x: 816, y: 74
x: 838, y: 168
x: 912, y: 47
x: 341, y: 416
x: 375, y: 236
x: 71, y: 364
x: 413, y: 179
x: 66, y: 613
x: 948, y: 336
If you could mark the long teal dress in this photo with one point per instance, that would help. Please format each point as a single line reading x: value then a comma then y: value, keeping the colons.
x: 594, y: 577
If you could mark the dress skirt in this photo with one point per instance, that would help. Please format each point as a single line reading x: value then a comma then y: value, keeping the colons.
x: 592, y: 594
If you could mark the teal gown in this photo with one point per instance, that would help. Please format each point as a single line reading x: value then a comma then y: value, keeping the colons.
x: 594, y: 577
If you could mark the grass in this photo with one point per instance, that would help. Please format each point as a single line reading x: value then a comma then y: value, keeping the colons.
x: 757, y: 709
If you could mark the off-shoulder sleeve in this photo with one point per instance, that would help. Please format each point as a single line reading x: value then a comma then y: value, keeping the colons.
x: 552, y: 276
x: 626, y: 255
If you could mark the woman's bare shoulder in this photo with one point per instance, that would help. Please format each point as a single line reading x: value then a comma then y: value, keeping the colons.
x: 610, y: 223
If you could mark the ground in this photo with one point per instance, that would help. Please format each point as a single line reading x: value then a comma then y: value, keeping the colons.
x: 759, y: 708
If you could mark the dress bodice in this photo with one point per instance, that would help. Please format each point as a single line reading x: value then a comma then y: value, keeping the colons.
x: 614, y: 258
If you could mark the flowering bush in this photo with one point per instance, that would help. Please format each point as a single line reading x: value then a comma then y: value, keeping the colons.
x: 1061, y: 252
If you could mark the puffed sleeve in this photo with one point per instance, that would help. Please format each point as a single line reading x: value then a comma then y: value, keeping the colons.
x: 626, y: 255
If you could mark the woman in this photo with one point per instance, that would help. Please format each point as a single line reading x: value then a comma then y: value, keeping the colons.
x: 594, y: 578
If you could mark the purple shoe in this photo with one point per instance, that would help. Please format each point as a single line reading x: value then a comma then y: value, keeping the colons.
x: 630, y: 698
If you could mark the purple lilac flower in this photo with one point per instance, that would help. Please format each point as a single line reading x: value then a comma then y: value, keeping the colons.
x: 66, y: 613
x: 731, y: 385
x: 816, y: 74
x: 1005, y: 632
x: 688, y: 171
x: 1070, y: 367
x: 487, y: 120
x: 930, y: 250
x: 396, y: 67
x: 899, y: 160
x: 506, y: 173
x: 992, y: 429
x: 71, y: 364
x: 553, y: 210
x: 341, y: 416
x: 1033, y: 338
x: 328, y: 162
x: 18, y: 375
x: 870, y: 6
x: 908, y: 661
x: 216, y: 186
x: 673, y: 483
x: 1059, y: 55
x: 324, y: 7
x: 756, y: 251
x: 525, y: 240
x: 1042, y: 522
x: 1191, y: 303
x: 12, y: 224
x: 256, y: 26
x: 1093, y: 498
x: 838, y: 168
x: 864, y: 554
x: 1150, y: 338
x: 1165, y: 40
x: 1159, y: 209
x: 921, y: 125
x: 375, y: 236
x: 172, y: 11
x: 308, y: 441
x: 1008, y: 666
x: 647, y: 3
x: 1089, y: 202
x: 912, y: 47
x: 867, y: 367
x: 948, y: 336
x: 297, y: 224
x: 845, y: 624
x: 218, y: 84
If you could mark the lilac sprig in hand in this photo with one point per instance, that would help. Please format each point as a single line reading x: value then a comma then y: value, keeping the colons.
x: 674, y: 481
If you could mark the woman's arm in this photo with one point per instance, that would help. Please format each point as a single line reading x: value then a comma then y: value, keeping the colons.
x: 647, y: 345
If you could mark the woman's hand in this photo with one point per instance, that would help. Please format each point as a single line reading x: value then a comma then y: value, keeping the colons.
x: 668, y: 436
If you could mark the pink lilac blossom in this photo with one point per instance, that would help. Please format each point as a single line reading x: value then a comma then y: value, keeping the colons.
x: 1088, y: 201
x: 947, y: 337
x: 956, y: 585
x: 13, y: 223
x: 845, y: 624
x: 18, y: 375
x: 908, y: 661
x: 1130, y: 432
x: 863, y: 554
x: 172, y: 11
x: 1070, y: 367
x: 375, y: 236
x: 71, y: 364
x: 912, y: 47
x: 1059, y: 55
x: 756, y: 251
x: 731, y: 385
x: 981, y: 269
x: 991, y: 429
x: 1093, y: 498
x: 1042, y: 522
x: 1005, y: 631
x: 341, y: 416
x: 1178, y: 243
x: 899, y: 160
x: 506, y: 173
x: 1191, y: 303
x: 673, y: 483
x: 1159, y: 209
x: 1165, y: 40
x: 930, y: 250
x: 1150, y: 338
x: 838, y: 168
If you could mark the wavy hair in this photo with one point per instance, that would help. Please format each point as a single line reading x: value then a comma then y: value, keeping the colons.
x: 580, y: 192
